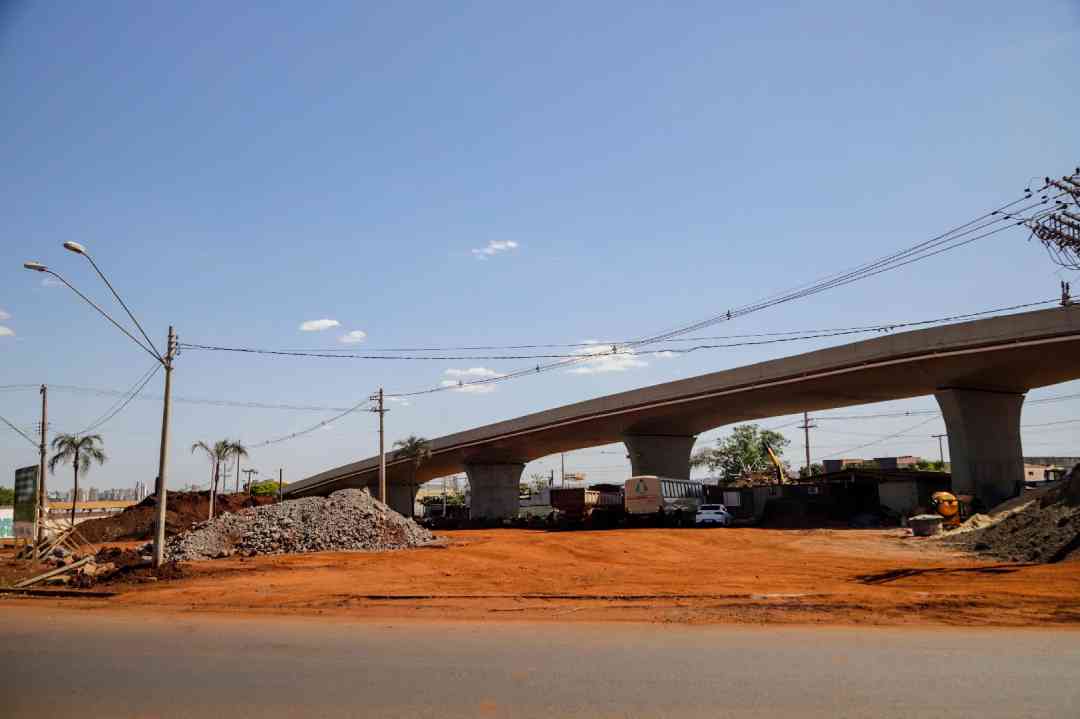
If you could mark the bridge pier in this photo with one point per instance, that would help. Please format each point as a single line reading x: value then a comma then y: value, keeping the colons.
x: 494, y: 489
x: 984, y: 442
x: 400, y: 497
x: 660, y: 454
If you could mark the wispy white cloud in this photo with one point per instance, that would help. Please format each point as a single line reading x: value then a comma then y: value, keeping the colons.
x: 5, y: 315
x: 472, y: 372
x: 665, y: 354
x: 353, y: 337
x: 493, y: 248
x: 318, y: 325
x: 458, y: 386
x: 51, y: 282
x: 600, y: 360
x: 399, y: 400
x: 6, y: 331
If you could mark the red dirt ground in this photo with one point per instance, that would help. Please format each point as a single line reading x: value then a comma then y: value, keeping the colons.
x: 665, y: 575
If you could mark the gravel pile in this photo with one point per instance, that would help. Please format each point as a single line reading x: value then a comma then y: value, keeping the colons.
x: 350, y: 519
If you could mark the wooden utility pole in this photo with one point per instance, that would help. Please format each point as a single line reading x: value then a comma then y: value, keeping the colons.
x: 806, y: 427
x: 280, y: 483
x: 163, y: 452
x: 249, y: 471
x: 940, y: 447
x: 381, y: 410
x: 41, y: 511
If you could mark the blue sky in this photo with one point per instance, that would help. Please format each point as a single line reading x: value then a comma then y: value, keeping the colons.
x: 239, y: 170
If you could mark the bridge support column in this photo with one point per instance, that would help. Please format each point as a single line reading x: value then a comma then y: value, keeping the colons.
x: 400, y: 497
x: 494, y: 490
x: 984, y: 442
x: 660, y: 454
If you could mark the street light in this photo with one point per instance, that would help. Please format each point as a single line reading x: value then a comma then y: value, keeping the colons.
x: 166, y: 361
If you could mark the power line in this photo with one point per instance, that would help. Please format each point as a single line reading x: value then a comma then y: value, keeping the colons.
x: 22, y: 434
x: 119, y: 406
x: 615, y: 350
x: 729, y: 315
x: 315, y: 427
x: 884, y: 438
x: 101, y: 392
x: 920, y: 251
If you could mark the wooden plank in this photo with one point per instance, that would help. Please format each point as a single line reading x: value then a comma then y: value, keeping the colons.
x: 53, y: 573
x: 30, y: 592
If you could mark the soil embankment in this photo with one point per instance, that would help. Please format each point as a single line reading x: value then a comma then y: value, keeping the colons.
x: 1042, y: 526
x: 182, y: 510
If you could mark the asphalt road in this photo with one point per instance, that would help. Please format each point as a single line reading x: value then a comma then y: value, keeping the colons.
x: 108, y: 664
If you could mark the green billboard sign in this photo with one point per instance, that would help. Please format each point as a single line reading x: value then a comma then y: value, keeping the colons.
x: 26, y: 491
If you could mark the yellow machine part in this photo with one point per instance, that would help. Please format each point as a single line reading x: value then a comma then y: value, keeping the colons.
x: 948, y: 506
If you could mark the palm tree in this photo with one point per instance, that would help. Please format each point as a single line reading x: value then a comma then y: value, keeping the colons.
x: 81, y: 452
x: 238, y: 450
x: 217, y: 453
x: 418, y: 450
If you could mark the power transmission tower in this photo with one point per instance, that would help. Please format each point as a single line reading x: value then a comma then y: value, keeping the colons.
x: 381, y: 410
x: 806, y: 427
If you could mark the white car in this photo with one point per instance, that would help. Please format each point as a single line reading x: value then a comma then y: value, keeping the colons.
x: 713, y: 514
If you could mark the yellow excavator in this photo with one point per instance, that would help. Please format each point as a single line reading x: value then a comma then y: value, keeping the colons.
x: 781, y: 475
x: 948, y: 506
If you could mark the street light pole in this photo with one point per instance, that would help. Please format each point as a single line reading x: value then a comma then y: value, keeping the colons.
x: 148, y: 347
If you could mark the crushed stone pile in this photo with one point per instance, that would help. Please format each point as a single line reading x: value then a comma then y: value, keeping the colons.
x: 1045, y: 528
x: 182, y: 510
x: 350, y: 519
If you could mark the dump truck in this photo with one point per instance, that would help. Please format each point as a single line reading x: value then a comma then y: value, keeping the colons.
x: 599, y: 505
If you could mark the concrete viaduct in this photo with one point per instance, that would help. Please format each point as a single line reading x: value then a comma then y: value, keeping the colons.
x: 979, y: 371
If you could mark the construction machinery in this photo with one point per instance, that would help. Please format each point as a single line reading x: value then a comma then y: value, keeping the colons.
x: 948, y: 506
x: 781, y: 473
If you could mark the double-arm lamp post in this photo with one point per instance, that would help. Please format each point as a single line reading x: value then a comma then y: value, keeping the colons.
x: 166, y: 361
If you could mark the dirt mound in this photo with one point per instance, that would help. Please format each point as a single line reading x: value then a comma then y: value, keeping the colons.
x: 134, y: 566
x: 183, y: 509
x: 350, y: 519
x: 1043, y: 529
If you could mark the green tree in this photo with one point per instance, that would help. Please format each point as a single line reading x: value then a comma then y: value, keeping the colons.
x: 453, y: 499
x: 80, y: 453
x: 742, y: 452
x: 7, y: 496
x: 266, y: 487
x: 418, y: 450
x: 218, y: 454
x: 815, y: 469
x: 539, y: 482
x: 238, y: 450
